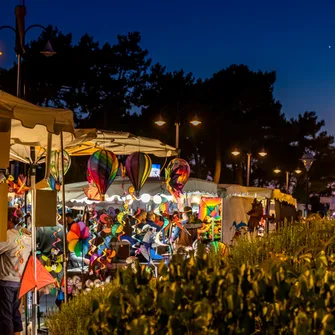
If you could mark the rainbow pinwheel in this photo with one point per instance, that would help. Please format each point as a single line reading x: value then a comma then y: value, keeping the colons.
x: 176, y: 176
x: 78, y: 238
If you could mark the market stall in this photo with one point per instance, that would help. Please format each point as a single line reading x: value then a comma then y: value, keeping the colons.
x: 193, y: 190
x: 24, y: 124
x: 238, y: 202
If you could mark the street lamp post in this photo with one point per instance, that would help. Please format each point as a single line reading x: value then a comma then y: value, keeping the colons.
x: 262, y: 153
x: 307, y: 160
x: 161, y: 122
x: 248, y: 168
x: 20, y: 34
x: 287, y: 177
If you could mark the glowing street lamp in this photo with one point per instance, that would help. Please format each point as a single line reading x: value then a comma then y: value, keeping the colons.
x: 263, y: 153
x: 298, y: 171
x: 287, y: 173
x: 308, y: 160
x: 161, y: 122
x: 195, y: 121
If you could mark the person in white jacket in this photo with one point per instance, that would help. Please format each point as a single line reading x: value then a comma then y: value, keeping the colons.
x: 13, y: 258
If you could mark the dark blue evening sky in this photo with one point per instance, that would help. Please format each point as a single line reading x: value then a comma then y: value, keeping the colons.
x: 295, y: 38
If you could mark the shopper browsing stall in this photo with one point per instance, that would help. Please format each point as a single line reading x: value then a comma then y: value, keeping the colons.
x: 13, y: 257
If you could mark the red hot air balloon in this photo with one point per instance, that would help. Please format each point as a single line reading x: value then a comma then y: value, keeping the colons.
x: 138, y: 167
x: 176, y: 176
x: 102, y: 168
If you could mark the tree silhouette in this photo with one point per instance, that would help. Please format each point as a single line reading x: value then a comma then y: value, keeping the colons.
x: 113, y: 87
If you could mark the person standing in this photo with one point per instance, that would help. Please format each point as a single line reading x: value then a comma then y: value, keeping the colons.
x: 14, y: 254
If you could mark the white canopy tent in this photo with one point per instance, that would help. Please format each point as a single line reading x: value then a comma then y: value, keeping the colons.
x: 29, y: 125
x: 38, y: 138
x: 237, y: 202
x: 152, y: 186
x: 75, y: 196
x: 25, y: 123
x: 121, y: 143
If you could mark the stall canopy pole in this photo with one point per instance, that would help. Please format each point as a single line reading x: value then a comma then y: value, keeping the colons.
x: 33, y: 235
x: 65, y: 254
x: 5, y: 127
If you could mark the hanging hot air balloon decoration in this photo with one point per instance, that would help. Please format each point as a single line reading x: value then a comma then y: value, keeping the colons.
x: 176, y: 176
x: 102, y: 169
x: 138, y: 166
x: 55, y: 180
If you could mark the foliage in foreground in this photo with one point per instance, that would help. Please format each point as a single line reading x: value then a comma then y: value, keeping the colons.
x: 291, y: 241
x: 201, y: 295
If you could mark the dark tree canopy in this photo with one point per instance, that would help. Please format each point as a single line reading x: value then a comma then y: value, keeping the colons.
x: 114, y: 86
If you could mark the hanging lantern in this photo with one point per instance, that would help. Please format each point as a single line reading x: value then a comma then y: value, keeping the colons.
x: 176, y: 176
x: 102, y: 169
x: 56, y: 168
x: 138, y: 166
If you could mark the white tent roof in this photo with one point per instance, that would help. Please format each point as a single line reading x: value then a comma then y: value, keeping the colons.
x: 21, y: 141
x: 152, y: 186
x: 121, y: 143
x: 255, y: 192
x: 53, y: 119
x: 31, y: 125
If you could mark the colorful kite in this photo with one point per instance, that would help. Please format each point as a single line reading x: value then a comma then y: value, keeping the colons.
x: 138, y: 167
x: 29, y: 281
x: 102, y: 169
x: 210, y: 207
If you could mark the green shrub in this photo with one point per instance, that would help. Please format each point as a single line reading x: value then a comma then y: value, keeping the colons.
x: 292, y: 240
x: 282, y: 284
x: 70, y: 320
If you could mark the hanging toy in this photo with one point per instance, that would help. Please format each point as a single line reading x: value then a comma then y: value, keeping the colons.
x: 176, y: 176
x: 138, y: 166
x: 102, y: 169
x: 78, y: 238
x: 56, y: 168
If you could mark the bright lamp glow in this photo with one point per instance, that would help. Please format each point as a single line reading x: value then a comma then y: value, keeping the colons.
x: 160, y: 122
x: 276, y: 170
x: 235, y: 152
x: 195, y: 121
x: 262, y: 153
x: 298, y: 171
x: 157, y: 199
x: 0, y: 53
x: 145, y: 198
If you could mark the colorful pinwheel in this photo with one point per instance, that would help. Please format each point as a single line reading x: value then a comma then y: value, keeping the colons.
x: 176, y: 176
x: 102, y: 168
x: 138, y: 166
x: 56, y: 167
x: 78, y: 238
